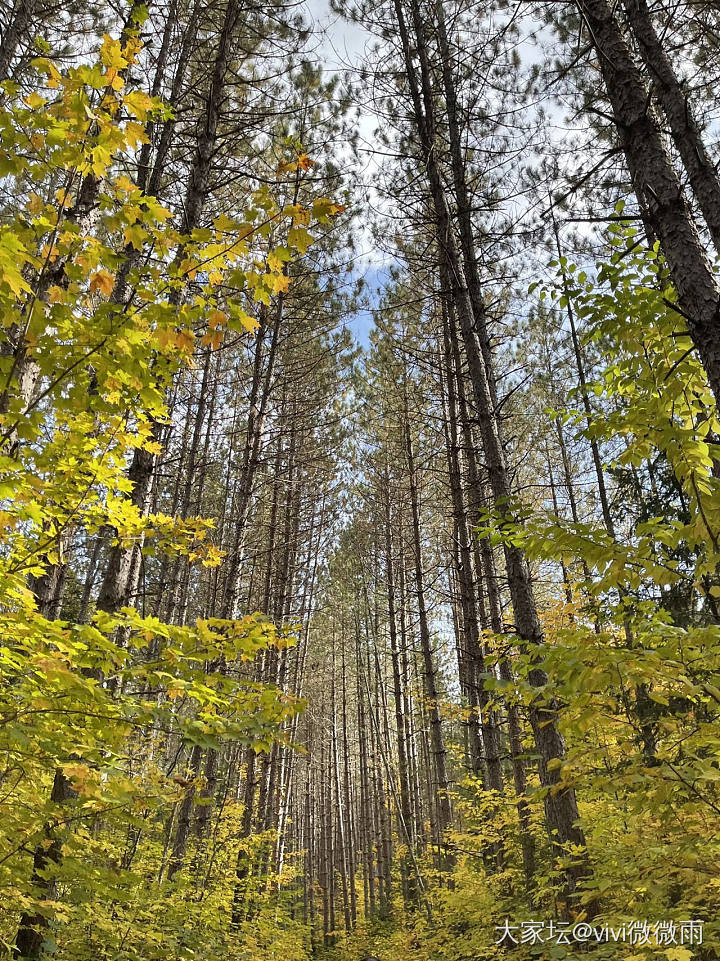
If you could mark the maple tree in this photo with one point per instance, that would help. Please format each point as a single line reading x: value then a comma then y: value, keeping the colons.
x: 85, y: 380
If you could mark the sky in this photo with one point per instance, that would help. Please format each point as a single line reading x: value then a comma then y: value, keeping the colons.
x: 340, y: 47
x: 343, y: 42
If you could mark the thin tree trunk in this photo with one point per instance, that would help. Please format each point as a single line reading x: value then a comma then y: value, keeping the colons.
x: 436, y: 734
x: 485, y: 564
x: 584, y: 392
x: 184, y: 817
x: 259, y: 397
x: 478, y: 696
x: 34, y: 926
x: 400, y: 720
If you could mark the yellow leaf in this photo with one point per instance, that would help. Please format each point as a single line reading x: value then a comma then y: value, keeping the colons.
x: 301, y: 216
x: 213, y: 556
x: 111, y: 54
x: 135, y: 236
x: 135, y: 133
x: 323, y: 209
x: 678, y: 954
x: 102, y: 281
x: 212, y: 339
x: 247, y: 321
x: 114, y: 80
x: 78, y: 773
x: 165, y: 336
x: 63, y: 197
x: 279, y: 282
x: 138, y: 104
x: 34, y: 204
x: 184, y: 339
x: 224, y: 224
x: 34, y: 100
x: 299, y: 238
x: 126, y: 185
x: 132, y: 49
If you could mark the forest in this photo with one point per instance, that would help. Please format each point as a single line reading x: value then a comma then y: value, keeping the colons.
x: 359, y: 480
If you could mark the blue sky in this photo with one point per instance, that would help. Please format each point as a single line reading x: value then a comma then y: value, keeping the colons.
x: 340, y: 48
x: 375, y: 278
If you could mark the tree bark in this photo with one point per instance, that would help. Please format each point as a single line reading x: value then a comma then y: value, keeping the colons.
x: 33, y: 927
x: 684, y: 128
x: 479, y: 700
x: 652, y: 172
x: 439, y: 751
x: 17, y: 28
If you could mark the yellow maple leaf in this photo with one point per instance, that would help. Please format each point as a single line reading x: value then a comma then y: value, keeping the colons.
x: 35, y: 203
x: 125, y: 184
x: 84, y: 780
x: 249, y: 322
x: 224, y: 224
x: 279, y: 282
x: 135, y: 133
x: 78, y: 772
x: 138, y: 104
x: 165, y: 336
x: 103, y: 281
x: 132, y: 49
x: 113, y: 79
x: 34, y: 100
x: 301, y: 216
x: 134, y: 234
x: 111, y: 54
x: 217, y: 319
x: 63, y: 197
x: 212, y: 339
x: 184, y: 340
x: 213, y: 556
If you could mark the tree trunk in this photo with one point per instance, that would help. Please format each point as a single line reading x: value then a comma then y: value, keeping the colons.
x: 651, y: 170
x: 560, y: 802
x: 116, y: 586
x: 675, y: 103
x: 439, y: 751
x: 17, y: 28
x: 34, y: 927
